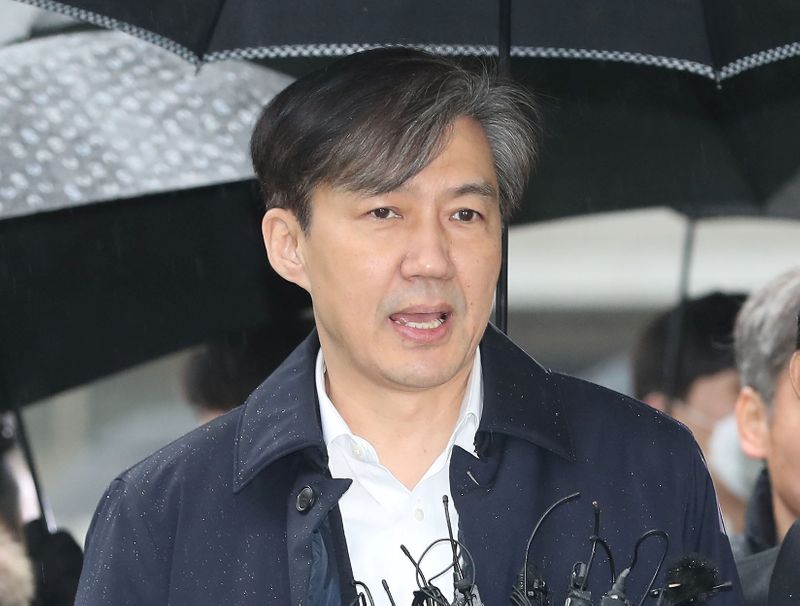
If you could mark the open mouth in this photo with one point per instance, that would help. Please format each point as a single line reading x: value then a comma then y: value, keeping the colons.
x: 421, y: 321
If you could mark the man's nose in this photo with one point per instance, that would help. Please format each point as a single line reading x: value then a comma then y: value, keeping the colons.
x: 428, y: 251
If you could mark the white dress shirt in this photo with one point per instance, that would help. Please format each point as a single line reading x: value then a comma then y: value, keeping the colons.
x: 379, y: 513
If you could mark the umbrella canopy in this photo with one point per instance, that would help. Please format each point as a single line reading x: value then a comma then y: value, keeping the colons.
x: 97, y: 116
x: 679, y: 103
x: 92, y: 290
x: 714, y: 38
x: 620, y: 137
x: 130, y: 220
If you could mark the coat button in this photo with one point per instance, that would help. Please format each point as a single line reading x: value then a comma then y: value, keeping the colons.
x: 306, y: 499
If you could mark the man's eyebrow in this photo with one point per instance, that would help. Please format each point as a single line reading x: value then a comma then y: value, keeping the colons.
x: 477, y: 188
x: 480, y: 188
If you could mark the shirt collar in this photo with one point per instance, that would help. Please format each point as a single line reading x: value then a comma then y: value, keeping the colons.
x: 281, y: 417
x: 334, y: 426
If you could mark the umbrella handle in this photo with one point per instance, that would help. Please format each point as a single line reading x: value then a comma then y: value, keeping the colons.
x: 501, y: 293
x: 676, y: 329
x: 46, y: 513
x: 503, y: 70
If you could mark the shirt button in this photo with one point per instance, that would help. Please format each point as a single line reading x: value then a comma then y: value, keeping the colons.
x: 357, y: 452
x: 419, y: 515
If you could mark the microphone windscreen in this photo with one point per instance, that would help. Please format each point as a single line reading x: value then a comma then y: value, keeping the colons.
x: 691, y: 579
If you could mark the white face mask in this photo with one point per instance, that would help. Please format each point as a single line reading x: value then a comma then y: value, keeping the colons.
x: 730, y: 465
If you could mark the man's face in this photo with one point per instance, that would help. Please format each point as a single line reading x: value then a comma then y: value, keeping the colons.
x: 709, y: 399
x: 783, y: 447
x: 402, y: 283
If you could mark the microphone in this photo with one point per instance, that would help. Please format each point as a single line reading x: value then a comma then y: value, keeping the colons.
x: 616, y: 595
x: 577, y: 594
x: 388, y: 592
x: 427, y: 594
x: 460, y: 583
x: 691, y: 581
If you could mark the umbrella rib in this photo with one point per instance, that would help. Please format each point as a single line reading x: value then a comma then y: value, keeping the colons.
x: 765, y: 57
x: 550, y: 52
x: 115, y: 24
x: 284, y: 51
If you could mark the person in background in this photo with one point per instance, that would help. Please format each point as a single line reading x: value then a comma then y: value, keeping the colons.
x: 768, y: 410
x: 37, y: 566
x: 768, y: 414
x: 704, y: 383
x: 222, y: 373
x: 16, y: 576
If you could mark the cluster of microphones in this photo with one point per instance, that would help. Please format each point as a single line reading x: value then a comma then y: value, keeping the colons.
x: 690, y: 581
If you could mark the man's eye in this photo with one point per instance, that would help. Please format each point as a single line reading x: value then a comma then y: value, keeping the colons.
x: 383, y: 213
x: 466, y: 214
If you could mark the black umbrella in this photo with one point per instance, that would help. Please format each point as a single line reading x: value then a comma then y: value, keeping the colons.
x: 716, y: 38
x: 117, y: 159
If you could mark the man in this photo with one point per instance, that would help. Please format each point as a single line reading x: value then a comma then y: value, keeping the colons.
x: 704, y: 385
x: 386, y: 177
x: 767, y: 411
x: 768, y: 416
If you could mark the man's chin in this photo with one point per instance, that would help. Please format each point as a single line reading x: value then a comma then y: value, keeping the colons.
x: 422, y: 374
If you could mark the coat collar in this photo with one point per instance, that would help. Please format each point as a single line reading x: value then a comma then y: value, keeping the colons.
x: 281, y: 417
x: 759, y: 522
x: 520, y: 397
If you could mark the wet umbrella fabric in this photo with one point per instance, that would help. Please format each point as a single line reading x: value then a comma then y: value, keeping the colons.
x: 620, y: 137
x: 130, y: 221
x: 717, y: 38
x: 97, y: 116
x: 714, y: 133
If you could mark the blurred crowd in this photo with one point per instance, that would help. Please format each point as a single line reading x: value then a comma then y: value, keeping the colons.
x: 729, y: 369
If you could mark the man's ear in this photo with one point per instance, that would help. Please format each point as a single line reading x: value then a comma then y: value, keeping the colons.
x: 283, y: 240
x: 794, y: 372
x: 752, y: 421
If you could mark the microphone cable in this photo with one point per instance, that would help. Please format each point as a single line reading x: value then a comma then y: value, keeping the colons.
x: 363, y: 597
x: 545, y: 515
x: 520, y: 592
x: 597, y: 539
x: 427, y: 594
x: 616, y: 595
x: 651, y: 533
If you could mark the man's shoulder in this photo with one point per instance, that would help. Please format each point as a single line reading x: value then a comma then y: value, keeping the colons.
x: 208, y: 449
x: 596, y: 400
x: 594, y: 415
x: 591, y: 405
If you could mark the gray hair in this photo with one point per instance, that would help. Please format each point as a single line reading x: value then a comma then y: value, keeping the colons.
x: 373, y: 120
x: 765, y: 333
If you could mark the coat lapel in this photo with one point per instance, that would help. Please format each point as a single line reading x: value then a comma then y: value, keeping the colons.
x: 281, y: 417
x: 280, y: 423
x: 498, y: 495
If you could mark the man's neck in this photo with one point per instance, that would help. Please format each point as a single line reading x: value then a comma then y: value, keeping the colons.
x: 407, y: 428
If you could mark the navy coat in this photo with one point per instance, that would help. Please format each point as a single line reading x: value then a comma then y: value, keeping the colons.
x: 221, y: 516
